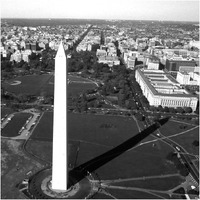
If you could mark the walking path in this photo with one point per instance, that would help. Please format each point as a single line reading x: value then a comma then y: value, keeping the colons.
x: 182, y: 122
x: 137, y: 178
x: 165, y: 137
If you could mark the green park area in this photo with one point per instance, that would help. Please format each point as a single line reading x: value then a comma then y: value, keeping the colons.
x: 153, y: 182
x: 97, y: 134
x: 187, y: 140
x: 121, y: 193
x: 32, y: 85
x: 93, y: 127
x: 77, y: 88
x: 77, y: 78
x: 44, y: 85
x: 183, y: 133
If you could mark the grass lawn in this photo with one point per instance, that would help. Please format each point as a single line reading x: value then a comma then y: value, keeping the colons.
x: 92, y: 139
x: 44, y: 84
x: 47, y: 89
x: 186, y: 139
x: 130, y: 194
x: 158, y: 183
x: 14, y: 126
x: 76, y: 88
x: 101, y: 196
x: 77, y: 78
x: 73, y: 88
x: 72, y: 78
x: 43, y: 149
x: 90, y: 129
x: 29, y: 84
x: 142, y: 161
x: 89, y: 151
x: 172, y: 127
x: 44, y: 130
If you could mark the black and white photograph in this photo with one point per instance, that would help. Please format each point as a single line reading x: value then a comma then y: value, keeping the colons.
x: 100, y: 99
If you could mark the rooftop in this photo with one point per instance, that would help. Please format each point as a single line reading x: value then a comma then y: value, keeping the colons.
x: 157, y: 86
x: 183, y: 73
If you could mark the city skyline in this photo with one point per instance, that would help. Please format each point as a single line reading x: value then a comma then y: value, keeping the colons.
x: 111, y: 10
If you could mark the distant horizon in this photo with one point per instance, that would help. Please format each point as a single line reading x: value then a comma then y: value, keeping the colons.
x: 47, y: 18
x: 150, y: 10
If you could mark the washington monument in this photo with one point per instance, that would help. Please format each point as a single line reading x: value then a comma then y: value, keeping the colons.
x: 60, y: 162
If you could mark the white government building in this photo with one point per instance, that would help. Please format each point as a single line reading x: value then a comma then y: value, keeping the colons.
x: 162, y: 89
x: 191, y: 78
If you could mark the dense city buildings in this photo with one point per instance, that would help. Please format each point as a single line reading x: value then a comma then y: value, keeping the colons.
x: 174, y: 65
x: 162, y: 89
x: 185, y: 78
x: 36, y: 39
x: 108, y: 55
x: 173, y: 50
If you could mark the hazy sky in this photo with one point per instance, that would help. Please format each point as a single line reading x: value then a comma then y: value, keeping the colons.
x: 177, y: 10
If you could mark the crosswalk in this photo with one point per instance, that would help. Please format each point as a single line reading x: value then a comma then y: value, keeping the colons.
x: 193, y: 181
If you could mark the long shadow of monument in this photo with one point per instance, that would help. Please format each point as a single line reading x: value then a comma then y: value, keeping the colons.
x: 80, y: 172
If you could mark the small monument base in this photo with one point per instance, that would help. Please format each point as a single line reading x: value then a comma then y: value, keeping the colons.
x: 46, y: 187
x: 40, y: 187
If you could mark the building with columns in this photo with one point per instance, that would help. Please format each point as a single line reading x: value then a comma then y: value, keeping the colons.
x: 162, y: 89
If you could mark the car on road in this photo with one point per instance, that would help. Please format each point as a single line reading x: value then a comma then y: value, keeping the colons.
x: 25, y: 181
x: 177, y: 148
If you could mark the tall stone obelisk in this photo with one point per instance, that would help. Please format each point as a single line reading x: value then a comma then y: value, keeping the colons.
x: 59, y: 164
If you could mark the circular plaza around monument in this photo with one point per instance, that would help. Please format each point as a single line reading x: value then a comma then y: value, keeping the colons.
x: 39, y: 187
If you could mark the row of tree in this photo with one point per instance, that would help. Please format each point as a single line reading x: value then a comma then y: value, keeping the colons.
x: 170, y: 109
x: 81, y: 61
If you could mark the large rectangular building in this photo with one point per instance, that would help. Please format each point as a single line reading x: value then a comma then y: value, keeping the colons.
x: 174, y: 65
x: 162, y: 89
